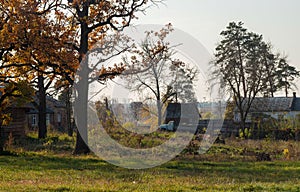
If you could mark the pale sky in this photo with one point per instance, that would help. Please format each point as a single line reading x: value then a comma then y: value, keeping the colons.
x: 276, y: 20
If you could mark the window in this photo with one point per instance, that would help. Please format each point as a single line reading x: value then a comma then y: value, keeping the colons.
x: 59, y: 118
x: 33, y: 120
x: 48, y: 119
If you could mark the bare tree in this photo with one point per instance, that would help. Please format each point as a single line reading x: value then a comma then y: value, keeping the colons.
x: 154, y: 70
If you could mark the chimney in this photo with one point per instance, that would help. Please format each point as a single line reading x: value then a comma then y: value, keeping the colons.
x: 294, y: 94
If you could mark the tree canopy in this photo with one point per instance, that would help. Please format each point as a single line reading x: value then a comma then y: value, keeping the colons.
x: 44, y: 41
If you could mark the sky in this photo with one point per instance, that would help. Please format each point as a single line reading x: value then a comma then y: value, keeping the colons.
x: 276, y: 20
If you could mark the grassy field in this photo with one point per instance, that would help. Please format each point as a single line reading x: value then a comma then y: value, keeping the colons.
x: 48, y: 165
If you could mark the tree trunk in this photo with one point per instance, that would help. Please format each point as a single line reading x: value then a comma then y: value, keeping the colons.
x: 158, y: 100
x: 243, y: 123
x: 80, y: 147
x: 42, y: 108
x: 286, y: 88
x: 68, y: 109
x: 2, y: 140
x: 81, y: 113
x: 82, y: 136
x: 159, y: 112
x: 243, y: 127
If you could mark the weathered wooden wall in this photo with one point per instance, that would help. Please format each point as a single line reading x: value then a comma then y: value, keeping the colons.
x: 17, y: 125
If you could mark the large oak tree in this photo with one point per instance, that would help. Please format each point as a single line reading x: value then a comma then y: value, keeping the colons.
x: 37, y: 36
x: 95, y: 18
x: 45, y: 34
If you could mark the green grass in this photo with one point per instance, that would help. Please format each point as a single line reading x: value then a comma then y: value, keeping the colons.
x: 35, y: 172
x: 48, y: 165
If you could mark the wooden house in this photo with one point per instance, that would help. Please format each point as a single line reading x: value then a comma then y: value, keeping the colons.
x: 56, y: 115
x: 25, y: 117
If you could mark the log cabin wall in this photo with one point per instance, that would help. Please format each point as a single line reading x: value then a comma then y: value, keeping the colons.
x: 17, y: 125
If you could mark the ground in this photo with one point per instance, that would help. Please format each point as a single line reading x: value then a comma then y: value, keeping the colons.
x: 48, y: 165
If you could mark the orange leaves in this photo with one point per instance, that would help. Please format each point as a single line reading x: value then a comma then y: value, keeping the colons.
x: 133, y: 58
x: 41, y: 38
x: 16, y: 91
x: 110, y: 73
x: 2, y: 90
x: 163, y: 33
x: 48, y: 32
x: 76, y: 2
x: 178, y: 63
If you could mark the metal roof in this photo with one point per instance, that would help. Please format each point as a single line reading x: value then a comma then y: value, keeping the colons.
x: 272, y: 104
x: 34, y: 109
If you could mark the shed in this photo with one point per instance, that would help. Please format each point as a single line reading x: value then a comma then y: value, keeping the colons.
x: 18, y: 123
x: 182, y: 113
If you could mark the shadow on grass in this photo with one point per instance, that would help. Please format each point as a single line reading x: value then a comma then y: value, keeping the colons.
x: 34, y: 161
x: 241, y: 172
x: 8, y: 153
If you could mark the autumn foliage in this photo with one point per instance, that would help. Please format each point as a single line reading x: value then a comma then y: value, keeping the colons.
x: 42, y: 42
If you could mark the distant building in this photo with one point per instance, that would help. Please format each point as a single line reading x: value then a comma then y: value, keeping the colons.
x: 130, y: 112
x: 273, y: 107
x: 214, y: 108
x: 182, y: 113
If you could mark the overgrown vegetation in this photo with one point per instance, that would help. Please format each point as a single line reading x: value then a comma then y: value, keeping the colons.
x: 48, y: 165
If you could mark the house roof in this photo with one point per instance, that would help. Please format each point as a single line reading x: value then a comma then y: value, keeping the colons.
x: 23, y: 105
x: 275, y: 104
x: 34, y: 109
x: 56, y: 102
